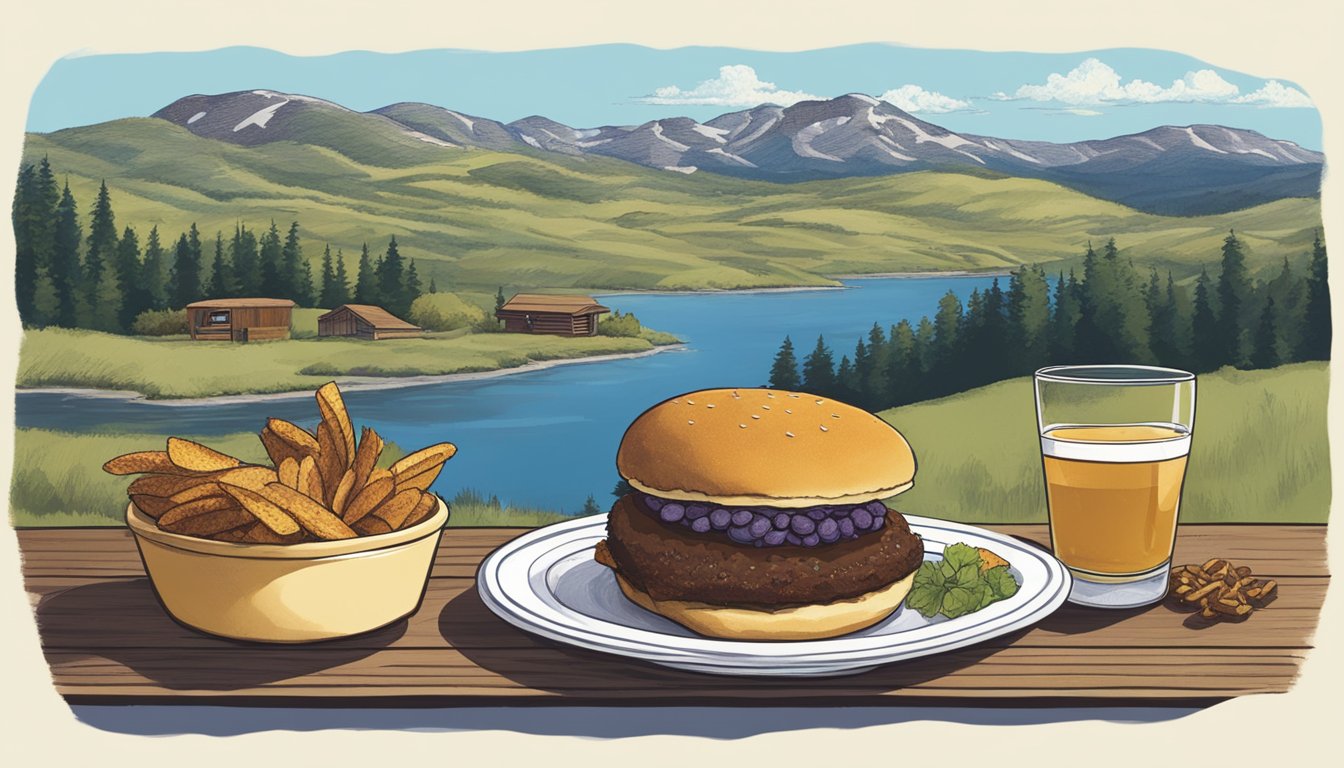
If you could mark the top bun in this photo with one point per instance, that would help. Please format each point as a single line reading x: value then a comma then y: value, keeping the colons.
x: 749, y: 447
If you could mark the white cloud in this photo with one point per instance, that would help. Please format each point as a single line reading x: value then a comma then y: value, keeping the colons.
x: 1094, y: 82
x: 736, y: 86
x: 1081, y: 112
x: 1275, y: 94
x: 912, y: 98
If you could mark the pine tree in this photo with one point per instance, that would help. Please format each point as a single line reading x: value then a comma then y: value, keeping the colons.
x: 946, y: 330
x: 925, y: 345
x: 292, y: 266
x: 845, y: 381
x: 876, y: 383
x: 1064, y: 319
x: 184, y: 282
x: 130, y: 272
x: 413, y: 288
x: 902, y: 364
x: 1266, y: 352
x: 305, y: 295
x: 1206, y: 351
x: 784, y: 371
x: 341, y: 293
x: 327, y: 298
x: 366, y: 285
x: 433, y: 287
x: 1182, y: 312
x: 245, y: 259
x: 25, y: 255
x: 65, y: 268
x: 819, y: 370
x: 499, y: 298
x: 154, y: 272
x: 590, y: 507
x: 275, y: 281
x: 391, y: 274
x: 1290, y: 304
x: 1234, y: 289
x: 219, y: 285
x: 102, y: 292
x: 42, y: 228
x: 1315, y: 343
x: 1029, y: 318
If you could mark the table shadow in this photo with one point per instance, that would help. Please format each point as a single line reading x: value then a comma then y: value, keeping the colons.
x: 182, y: 658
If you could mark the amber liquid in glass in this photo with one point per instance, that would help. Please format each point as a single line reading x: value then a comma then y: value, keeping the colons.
x: 1114, y: 502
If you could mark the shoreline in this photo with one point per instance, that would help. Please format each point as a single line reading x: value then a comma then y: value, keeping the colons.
x: 800, y: 288
x: 926, y: 275
x: 348, y: 383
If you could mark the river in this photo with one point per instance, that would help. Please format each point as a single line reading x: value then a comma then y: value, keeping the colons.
x: 548, y: 437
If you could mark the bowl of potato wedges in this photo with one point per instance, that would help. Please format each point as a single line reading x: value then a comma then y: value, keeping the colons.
x: 322, y: 543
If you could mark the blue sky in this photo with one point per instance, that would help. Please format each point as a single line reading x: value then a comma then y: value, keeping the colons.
x: 1054, y: 97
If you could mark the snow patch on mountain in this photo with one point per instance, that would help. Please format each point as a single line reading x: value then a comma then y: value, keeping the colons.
x: 686, y: 169
x: 261, y: 117
x: 429, y: 139
x: 756, y: 134
x: 865, y: 98
x: 893, y: 152
x: 529, y: 140
x: 710, y: 132
x: 951, y: 140
x: 1201, y: 143
x: 471, y: 124
x: 802, y: 141
x: 658, y: 132
x: 195, y: 117
x: 735, y: 158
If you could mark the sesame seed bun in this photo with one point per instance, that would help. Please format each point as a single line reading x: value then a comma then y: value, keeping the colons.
x: 803, y: 622
x: 746, y: 447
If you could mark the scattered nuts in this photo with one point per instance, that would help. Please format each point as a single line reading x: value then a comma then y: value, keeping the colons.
x: 1219, y: 589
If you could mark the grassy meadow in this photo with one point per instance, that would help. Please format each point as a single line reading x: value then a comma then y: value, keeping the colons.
x: 482, y: 219
x: 1260, y: 455
x: 1260, y: 451
x: 175, y: 367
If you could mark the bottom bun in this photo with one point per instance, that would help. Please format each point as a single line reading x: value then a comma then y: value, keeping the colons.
x: 804, y: 622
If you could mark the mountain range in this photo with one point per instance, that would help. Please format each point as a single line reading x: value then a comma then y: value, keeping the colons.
x: 1173, y: 170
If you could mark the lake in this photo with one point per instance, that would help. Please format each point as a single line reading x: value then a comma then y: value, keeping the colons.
x: 548, y: 438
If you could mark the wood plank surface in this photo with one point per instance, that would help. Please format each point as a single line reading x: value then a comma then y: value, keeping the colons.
x: 107, y: 639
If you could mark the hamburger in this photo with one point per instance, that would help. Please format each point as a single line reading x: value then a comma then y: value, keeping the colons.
x: 757, y: 514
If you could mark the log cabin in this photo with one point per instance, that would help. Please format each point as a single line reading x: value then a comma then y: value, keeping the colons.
x: 558, y: 315
x: 239, y: 319
x: 365, y: 321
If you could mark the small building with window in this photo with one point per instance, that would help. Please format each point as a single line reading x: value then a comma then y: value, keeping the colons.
x: 239, y: 319
x: 545, y: 313
x: 365, y: 321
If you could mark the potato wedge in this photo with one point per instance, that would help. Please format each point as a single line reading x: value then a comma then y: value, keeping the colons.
x: 299, y: 439
x: 288, y: 473
x: 210, y: 523
x: 193, y: 508
x: 250, y: 477
x: 342, y: 496
x: 154, y: 506
x: 395, y: 510
x: 420, y: 469
x: 165, y: 485
x: 366, y: 457
x: 142, y: 462
x: 258, y: 533
x: 331, y: 459
x: 372, y: 525
x: 424, y: 508
x: 315, y: 518
x: 310, y: 480
x: 196, y: 492
x: 332, y: 407
x: 277, y: 520
x: 376, y: 492
x: 195, y: 457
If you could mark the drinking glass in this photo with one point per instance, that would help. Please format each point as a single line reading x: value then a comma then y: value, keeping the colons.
x: 1115, y: 440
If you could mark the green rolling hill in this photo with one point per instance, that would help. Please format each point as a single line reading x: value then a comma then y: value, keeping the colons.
x: 477, y: 219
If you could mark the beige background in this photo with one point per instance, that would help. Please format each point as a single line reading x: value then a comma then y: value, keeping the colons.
x: 1290, y: 39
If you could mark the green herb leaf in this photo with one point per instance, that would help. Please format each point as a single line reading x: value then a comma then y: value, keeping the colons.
x: 926, y: 596
x: 1001, y: 582
x: 959, y: 555
x: 961, y: 600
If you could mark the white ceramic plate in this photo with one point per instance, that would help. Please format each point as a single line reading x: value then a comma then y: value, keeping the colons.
x: 546, y: 582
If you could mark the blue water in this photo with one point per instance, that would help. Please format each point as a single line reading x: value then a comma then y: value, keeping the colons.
x: 548, y: 438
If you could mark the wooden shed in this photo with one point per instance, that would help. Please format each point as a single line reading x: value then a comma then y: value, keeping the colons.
x: 542, y: 313
x: 365, y: 321
x: 239, y: 319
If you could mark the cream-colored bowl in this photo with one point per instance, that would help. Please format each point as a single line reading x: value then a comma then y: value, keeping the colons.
x: 289, y: 593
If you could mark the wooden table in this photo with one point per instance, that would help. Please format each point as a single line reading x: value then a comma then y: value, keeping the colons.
x: 108, y: 641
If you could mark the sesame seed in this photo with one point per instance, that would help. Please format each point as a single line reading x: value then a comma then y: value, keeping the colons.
x: 711, y: 405
x: 743, y: 426
x: 835, y: 415
x: 786, y: 410
x: 788, y: 434
x: 690, y: 421
x: 755, y: 416
x: 765, y: 407
x: 824, y: 429
x: 769, y: 394
x: 692, y: 402
x: 819, y: 402
x: 795, y: 396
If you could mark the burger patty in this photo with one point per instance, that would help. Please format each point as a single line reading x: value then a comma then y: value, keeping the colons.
x: 672, y: 563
